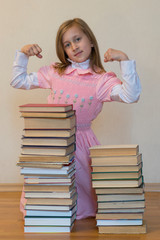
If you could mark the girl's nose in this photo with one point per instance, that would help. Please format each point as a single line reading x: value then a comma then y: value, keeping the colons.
x: 74, y: 46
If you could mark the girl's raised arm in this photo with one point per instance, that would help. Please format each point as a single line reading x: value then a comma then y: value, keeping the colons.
x: 20, y: 78
x: 129, y: 91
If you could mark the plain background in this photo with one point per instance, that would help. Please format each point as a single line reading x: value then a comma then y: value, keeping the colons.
x: 131, y: 26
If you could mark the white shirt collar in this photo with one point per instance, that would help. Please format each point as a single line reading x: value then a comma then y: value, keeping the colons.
x: 82, y: 65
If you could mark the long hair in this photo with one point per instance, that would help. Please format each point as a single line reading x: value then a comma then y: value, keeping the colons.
x: 95, y: 61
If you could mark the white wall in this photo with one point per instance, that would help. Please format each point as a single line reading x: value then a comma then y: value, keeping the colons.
x: 131, y: 26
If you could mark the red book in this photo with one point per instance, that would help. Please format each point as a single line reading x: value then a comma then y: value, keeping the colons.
x: 46, y: 107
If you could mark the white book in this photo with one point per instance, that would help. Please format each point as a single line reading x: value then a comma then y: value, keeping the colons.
x: 63, y: 170
x: 48, y: 229
x: 121, y: 222
x: 42, y: 213
x: 49, y: 221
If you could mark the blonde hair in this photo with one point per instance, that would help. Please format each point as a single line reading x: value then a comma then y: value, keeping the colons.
x: 95, y: 61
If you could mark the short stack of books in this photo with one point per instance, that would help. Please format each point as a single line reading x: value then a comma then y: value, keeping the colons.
x: 118, y: 181
x: 47, y: 163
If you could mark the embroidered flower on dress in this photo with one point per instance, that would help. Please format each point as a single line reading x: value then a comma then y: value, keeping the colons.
x: 61, y: 92
x: 75, y: 99
x: 67, y: 96
x: 82, y: 100
x: 90, y: 100
x: 53, y: 93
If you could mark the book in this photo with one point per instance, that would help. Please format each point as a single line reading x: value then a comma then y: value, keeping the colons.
x: 46, y: 158
x: 48, y: 114
x: 50, y: 194
x: 116, y: 216
x: 50, y: 123
x: 67, y: 187
x: 44, y: 207
x: 48, y: 180
x: 119, y: 222
x: 114, y: 150
x: 45, y: 107
x: 120, y: 210
x: 136, y: 190
x: 49, y: 132
x: 116, y: 175
x: 62, y: 172
x: 47, y: 141
x: 40, y: 165
x: 122, y: 204
x: 122, y: 197
x: 52, y: 201
x: 49, y: 221
x: 44, y: 213
x: 116, y: 183
x: 48, y: 229
x: 46, y: 150
x: 116, y: 168
x: 137, y: 229
x: 116, y: 160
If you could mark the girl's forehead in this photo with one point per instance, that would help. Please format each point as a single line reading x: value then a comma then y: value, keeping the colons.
x: 71, y: 32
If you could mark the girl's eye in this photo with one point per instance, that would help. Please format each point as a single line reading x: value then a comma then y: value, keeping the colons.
x: 78, y: 39
x: 67, y: 45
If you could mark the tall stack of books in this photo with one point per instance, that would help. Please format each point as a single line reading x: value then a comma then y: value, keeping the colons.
x: 47, y: 163
x: 118, y: 181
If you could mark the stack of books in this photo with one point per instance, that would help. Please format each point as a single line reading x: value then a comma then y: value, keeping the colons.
x: 118, y: 181
x: 47, y: 163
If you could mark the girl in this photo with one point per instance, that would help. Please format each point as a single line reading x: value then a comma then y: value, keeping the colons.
x: 79, y: 79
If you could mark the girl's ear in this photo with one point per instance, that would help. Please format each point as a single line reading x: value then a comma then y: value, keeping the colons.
x: 92, y: 45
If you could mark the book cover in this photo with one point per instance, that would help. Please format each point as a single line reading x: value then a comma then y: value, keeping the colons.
x: 137, y: 229
x: 122, y: 204
x: 46, y: 107
x: 48, y: 229
x: 116, y: 175
x: 39, y: 213
x: 116, y: 183
x: 52, y: 201
x: 49, y: 221
x: 114, y: 150
x: 47, y: 158
x: 119, y: 222
x: 49, y: 132
x: 48, y: 150
x: 48, y: 114
x: 49, y: 187
x: 50, y: 123
x: 118, y: 197
x: 47, y: 141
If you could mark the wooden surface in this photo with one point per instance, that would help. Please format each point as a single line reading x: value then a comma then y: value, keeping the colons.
x: 11, y: 223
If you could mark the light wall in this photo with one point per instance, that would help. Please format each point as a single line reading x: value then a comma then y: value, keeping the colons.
x: 131, y: 26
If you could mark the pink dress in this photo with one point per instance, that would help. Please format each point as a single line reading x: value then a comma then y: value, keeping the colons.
x: 87, y: 91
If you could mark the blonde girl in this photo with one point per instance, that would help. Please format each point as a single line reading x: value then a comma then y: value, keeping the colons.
x: 79, y: 79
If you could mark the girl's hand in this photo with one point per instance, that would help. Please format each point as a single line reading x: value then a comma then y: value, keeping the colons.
x: 115, y: 55
x: 32, y: 50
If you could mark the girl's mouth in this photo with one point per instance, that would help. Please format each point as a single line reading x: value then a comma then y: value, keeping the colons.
x: 78, y: 53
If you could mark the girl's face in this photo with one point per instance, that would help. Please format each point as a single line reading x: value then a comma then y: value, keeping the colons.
x: 76, y: 44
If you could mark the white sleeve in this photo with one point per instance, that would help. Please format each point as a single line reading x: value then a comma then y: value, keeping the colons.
x: 20, y: 78
x: 130, y: 90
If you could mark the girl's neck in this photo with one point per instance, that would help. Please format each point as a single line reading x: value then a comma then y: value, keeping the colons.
x: 81, y: 65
